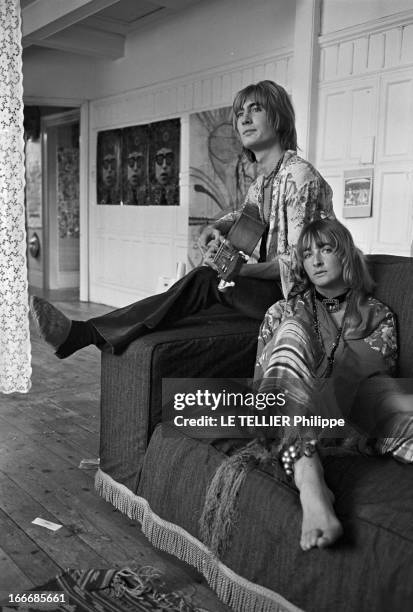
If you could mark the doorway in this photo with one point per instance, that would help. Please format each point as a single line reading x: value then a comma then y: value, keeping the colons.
x: 52, y: 203
x: 60, y: 144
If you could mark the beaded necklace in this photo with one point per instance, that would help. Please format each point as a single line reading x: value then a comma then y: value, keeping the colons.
x: 336, y: 342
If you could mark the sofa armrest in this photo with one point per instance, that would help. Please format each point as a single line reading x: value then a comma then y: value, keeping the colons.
x: 213, y: 346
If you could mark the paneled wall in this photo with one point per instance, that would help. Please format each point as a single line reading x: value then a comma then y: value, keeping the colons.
x: 365, y: 119
x: 132, y: 246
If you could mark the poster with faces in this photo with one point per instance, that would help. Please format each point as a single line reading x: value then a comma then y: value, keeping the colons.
x: 164, y: 163
x: 135, y: 144
x: 139, y: 165
x: 108, y: 166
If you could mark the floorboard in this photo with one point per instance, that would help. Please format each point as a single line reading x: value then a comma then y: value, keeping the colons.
x: 44, y: 435
x: 11, y: 574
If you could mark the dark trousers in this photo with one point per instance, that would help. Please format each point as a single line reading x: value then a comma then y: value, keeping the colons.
x: 194, y: 292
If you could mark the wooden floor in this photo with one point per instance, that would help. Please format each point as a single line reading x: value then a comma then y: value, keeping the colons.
x: 44, y: 435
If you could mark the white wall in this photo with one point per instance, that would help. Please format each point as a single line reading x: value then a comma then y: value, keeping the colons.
x: 365, y: 120
x: 207, y: 35
x: 195, y: 61
x: 340, y: 14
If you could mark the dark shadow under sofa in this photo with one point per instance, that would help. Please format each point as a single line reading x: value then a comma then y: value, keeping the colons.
x: 161, y: 479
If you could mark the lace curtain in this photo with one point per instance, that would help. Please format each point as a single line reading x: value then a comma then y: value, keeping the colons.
x: 15, y: 368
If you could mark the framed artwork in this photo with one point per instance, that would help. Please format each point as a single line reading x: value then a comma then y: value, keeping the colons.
x: 135, y: 145
x: 139, y: 165
x: 220, y: 174
x: 33, y: 151
x: 164, y: 153
x: 108, y: 165
x: 68, y: 190
x: 358, y: 193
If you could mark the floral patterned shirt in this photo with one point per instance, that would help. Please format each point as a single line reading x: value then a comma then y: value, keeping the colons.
x: 299, y: 194
x: 375, y: 331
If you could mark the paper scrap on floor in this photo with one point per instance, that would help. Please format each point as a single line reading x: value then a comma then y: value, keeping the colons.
x: 46, y: 524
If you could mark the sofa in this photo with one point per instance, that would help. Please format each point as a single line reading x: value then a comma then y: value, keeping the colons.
x: 159, y: 476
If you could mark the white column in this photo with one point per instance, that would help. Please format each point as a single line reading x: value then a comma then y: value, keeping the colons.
x: 84, y: 208
x: 184, y: 189
x: 306, y: 73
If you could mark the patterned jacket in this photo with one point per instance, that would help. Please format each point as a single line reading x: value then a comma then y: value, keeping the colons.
x: 299, y: 195
x: 364, y: 362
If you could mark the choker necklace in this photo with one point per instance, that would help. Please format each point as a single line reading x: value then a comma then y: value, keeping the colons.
x: 331, y: 304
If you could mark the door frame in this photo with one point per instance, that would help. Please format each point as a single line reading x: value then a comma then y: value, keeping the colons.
x: 83, y: 106
x: 50, y: 233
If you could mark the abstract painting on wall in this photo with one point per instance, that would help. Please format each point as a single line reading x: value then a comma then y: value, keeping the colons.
x: 220, y: 174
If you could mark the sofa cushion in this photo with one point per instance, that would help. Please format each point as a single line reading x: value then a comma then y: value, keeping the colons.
x: 374, y: 500
x: 208, y: 345
x: 394, y: 278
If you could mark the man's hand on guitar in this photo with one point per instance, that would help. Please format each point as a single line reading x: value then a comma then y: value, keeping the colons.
x: 209, y: 242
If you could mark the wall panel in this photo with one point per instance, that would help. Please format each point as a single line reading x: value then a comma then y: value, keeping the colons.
x: 360, y: 56
x: 396, y: 117
x: 345, y: 59
x: 393, y: 47
x: 376, y: 50
x: 330, y: 61
x: 394, y: 225
x: 406, y: 55
x: 363, y: 101
x: 335, y: 113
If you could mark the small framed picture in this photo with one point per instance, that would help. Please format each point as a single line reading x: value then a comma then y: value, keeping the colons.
x: 358, y: 193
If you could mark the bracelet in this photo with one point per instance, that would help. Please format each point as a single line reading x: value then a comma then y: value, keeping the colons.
x: 293, y: 453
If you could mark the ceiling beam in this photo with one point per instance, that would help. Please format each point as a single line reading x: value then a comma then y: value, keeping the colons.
x: 83, y: 40
x: 174, y: 4
x: 121, y: 27
x: 44, y: 18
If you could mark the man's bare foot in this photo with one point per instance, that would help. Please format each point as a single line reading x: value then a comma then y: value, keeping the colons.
x: 320, y: 527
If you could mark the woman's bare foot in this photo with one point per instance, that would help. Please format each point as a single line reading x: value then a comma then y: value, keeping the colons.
x: 320, y: 527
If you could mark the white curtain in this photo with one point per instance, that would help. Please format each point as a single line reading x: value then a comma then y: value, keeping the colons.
x: 15, y: 357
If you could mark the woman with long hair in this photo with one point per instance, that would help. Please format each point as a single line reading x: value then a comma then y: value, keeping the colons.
x: 331, y: 348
